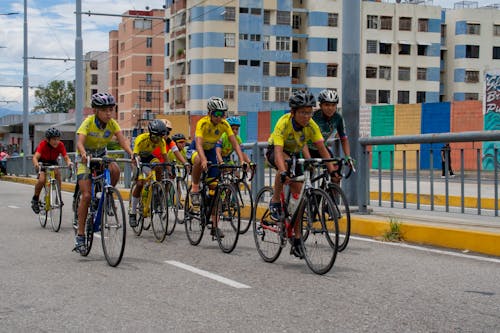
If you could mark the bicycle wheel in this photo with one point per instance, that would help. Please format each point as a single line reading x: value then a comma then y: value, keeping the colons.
x: 181, y: 193
x: 246, y: 205
x: 319, y: 219
x: 55, y: 211
x: 193, y: 220
x: 158, y: 211
x: 42, y: 215
x: 89, y: 233
x: 140, y: 219
x: 76, y: 203
x: 343, y: 214
x: 113, y: 226
x: 172, y: 206
x: 228, y: 219
x: 266, y: 233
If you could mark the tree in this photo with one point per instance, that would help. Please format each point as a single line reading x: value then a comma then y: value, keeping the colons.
x: 57, y: 97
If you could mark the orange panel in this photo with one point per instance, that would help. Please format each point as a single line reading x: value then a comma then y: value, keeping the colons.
x: 466, y: 116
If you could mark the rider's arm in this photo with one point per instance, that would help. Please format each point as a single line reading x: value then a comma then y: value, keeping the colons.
x: 218, y: 152
x: 35, y: 159
x: 305, y: 152
x: 199, y: 148
x: 80, y: 146
x: 179, y: 156
x: 279, y: 159
x: 68, y: 160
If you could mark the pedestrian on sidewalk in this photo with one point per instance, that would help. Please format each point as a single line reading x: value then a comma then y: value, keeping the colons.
x: 446, y: 158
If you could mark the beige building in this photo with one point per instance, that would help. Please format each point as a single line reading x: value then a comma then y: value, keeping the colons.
x: 96, y: 74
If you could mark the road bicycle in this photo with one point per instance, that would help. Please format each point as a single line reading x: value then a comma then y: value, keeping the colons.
x: 106, y: 212
x: 338, y: 196
x: 315, y: 212
x: 174, y: 182
x: 51, y: 203
x: 152, y: 206
x: 245, y: 196
x: 219, y: 199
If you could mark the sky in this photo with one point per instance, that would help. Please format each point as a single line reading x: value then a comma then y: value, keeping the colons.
x: 51, y: 34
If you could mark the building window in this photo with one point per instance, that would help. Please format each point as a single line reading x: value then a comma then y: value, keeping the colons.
x: 421, y: 73
x: 254, y: 89
x: 404, y: 49
x: 384, y: 96
x: 228, y: 92
x: 243, y: 62
x: 265, y: 68
x: 404, y: 73
x: 255, y: 11
x: 265, y: 93
x: 229, y: 66
x: 149, y: 96
x: 149, y: 42
x: 496, y: 52
x: 93, y: 79
x: 371, y: 72
x: 93, y: 64
x: 385, y: 48
x: 423, y: 25
x: 473, y: 29
x: 282, y: 43
x: 122, y: 81
x: 405, y: 24
x: 422, y: 50
x: 243, y: 88
x: 296, y: 22
x: 403, y: 97
x: 122, y: 98
x: 283, y: 17
x: 167, y: 73
x: 472, y: 76
x: 149, y: 61
x: 122, y: 115
x: 371, y: 46
x: 122, y: 46
x: 331, y: 70
x: 281, y: 94
x: 420, y: 96
x: 229, y: 40
x: 372, y: 22
x: 122, y: 63
x: 333, y: 19
x: 295, y: 72
x: 371, y: 96
x: 149, y: 78
x: 267, y: 16
x: 332, y: 44
x: 384, y: 72
x: 496, y: 30
x: 255, y: 38
x: 282, y: 69
x: 143, y: 24
x: 93, y: 91
x: 255, y: 63
x: 243, y: 36
x: 265, y: 44
x: 471, y: 96
x: 229, y: 13
x: 472, y: 51
x: 386, y: 22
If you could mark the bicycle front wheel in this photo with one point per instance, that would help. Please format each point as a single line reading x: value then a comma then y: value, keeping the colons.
x: 158, y: 211
x: 113, y: 227
x: 55, y: 209
x: 266, y: 232
x: 172, y: 206
x: 227, y: 219
x: 318, y: 219
x: 343, y: 214
x: 246, y: 205
x: 42, y: 215
x: 194, y: 222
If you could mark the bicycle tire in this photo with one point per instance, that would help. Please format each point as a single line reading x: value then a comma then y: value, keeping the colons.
x: 319, y: 219
x: 194, y: 222
x: 89, y: 234
x: 181, y: 192
x: 344, y: 219
x: 76, y: 203
x: 158, y: 212
x: 246, y: 195
x: 228, y: 217
x: 266, y: 233
x: 55, y: 211
x: 171, y: 201
x: 42, y: 215
x: 140, y: 219
x: 113, y: 227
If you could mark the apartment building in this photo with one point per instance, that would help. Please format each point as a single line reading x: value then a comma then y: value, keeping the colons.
x: 136, y: 68
x: 96, y: 74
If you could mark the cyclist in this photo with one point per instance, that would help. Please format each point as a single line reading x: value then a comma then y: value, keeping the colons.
x: 224, y: 148
x: 290, y: 136
x: 202, y: 149
x: 94, y: 134
x: 47, y: 152
x: 180, y: 142
x: 144, y: 147
x: 331, y: 123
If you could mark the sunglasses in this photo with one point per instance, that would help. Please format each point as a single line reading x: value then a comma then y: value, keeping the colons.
x: 218, y: 113
x: 181, y: 141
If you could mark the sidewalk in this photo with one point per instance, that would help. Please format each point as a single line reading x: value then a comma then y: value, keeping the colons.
x: 464, y: 232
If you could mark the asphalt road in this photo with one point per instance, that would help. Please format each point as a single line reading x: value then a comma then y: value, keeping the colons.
x: 373, y: 287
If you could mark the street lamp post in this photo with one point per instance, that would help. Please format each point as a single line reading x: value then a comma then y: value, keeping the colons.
x: 26, y: 132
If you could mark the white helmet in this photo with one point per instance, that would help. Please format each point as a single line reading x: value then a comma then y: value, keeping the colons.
x: 328, y: 96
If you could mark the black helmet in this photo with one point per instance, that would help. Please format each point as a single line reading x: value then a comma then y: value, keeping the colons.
x: 178, y: 136
x: 102, y: 100
x: 157, y: 127
x: 216, y: 103
x: 328, y: 96
x: 52, y: 133
x: 300, y: 99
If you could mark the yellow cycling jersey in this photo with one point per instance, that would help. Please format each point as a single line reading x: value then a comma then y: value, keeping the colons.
x: 291, y: 140
x: 97, y: 138
x: 143, y: 146
x: 172, y: 158
x: 210, y: 132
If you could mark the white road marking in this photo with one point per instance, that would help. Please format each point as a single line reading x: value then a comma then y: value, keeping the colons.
x: 425, y: 249
x: 15, y: 207
x: 207, y: 274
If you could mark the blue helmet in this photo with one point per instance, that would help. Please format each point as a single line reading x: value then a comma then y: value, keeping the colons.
x: 234, y: 121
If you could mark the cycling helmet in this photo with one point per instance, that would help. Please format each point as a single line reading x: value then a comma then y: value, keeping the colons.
x: 216, y: 103
x: 178, y: 136
x: 300, y: 99
x: 234, y: 121
x: 103, y: 100
x: 157, y: 127
x: 52, y: 133
x: 168, y: 124
x: 328, y: 96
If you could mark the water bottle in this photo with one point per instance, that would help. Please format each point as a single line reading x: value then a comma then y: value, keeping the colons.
x: 293, y: 203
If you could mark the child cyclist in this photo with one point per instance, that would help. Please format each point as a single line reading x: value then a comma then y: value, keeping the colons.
x: 180, y: 142
x: 202, y: 149
x: 94, y: 134
x: 47, y: 152
x: 224, y: 148
x: 290, y: 136
x: 171, y: 146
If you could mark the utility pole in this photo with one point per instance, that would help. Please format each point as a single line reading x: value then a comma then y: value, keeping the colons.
x: 26, y: 127
x: 78, y: 69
